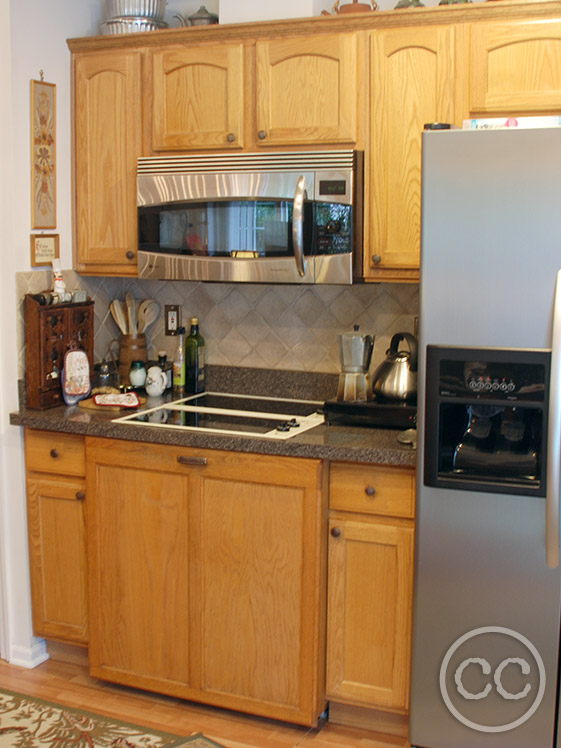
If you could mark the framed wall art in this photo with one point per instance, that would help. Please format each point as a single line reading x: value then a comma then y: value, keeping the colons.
x: 44, y: 249
x: 43, y: 155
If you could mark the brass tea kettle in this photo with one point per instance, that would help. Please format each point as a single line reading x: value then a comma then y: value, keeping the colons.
x: 396, y: 377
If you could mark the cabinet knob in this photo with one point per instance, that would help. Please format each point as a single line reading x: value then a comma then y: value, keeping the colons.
x: 54, y: 453
x: 261, y: 134
x: 130, y: 255
x: 231, y: 137
x: 336, y: 532
x: 370, y: 490
x: 376, y: 259
x: 80, y: 495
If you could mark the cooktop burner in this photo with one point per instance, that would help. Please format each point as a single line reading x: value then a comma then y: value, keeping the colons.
x: 244, y: 415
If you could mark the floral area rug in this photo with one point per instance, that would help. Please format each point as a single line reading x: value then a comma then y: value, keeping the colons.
x: 26, y: 722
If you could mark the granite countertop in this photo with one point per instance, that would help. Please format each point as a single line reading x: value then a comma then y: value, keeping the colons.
x: 328, y: 442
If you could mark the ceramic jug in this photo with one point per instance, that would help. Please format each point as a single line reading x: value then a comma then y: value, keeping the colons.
x: 156, y: 381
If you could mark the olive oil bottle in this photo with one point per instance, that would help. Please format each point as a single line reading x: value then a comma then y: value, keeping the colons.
x: 194, y: 359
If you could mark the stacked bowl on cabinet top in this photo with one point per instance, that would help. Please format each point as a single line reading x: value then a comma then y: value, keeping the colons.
x: 132, y: 16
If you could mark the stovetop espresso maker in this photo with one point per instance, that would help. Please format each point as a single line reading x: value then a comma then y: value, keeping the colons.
x: 355, y: 350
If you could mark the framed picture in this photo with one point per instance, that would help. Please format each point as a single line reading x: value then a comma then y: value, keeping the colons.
x: 44, y: 249
x: 43, y: 155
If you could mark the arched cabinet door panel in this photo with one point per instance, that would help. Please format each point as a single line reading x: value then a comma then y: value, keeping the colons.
x: 108, y: 141
x: 306, y: 90
x: 198, y: 97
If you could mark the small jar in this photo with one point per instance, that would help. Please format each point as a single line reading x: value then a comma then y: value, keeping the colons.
x: 137, y: 374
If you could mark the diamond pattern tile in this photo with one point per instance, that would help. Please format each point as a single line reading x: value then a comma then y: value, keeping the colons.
x: 253, y: 325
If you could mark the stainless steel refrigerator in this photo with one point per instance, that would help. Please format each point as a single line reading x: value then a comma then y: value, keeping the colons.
x: 486, y: 618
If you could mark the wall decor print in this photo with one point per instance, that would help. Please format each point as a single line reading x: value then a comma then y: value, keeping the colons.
x: 44, y: 249
x: 43, y: 155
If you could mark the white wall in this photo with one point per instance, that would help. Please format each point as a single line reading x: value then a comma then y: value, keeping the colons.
x: 32, y: 37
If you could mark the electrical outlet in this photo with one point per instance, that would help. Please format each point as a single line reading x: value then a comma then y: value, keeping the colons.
x: 172, y: 319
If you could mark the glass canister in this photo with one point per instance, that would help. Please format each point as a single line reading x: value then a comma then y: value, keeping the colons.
x: 137, y: 374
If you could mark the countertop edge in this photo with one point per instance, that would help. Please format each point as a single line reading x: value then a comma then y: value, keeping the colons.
x: 334, y: 443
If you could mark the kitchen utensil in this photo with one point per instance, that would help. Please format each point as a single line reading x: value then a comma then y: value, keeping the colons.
x: 119, y: 315
x: 201, y: 18
x: 148, y: 311
x: 396, y: 377
x: 154, y: 9
x: 355, y: 350
x: 131, y: 312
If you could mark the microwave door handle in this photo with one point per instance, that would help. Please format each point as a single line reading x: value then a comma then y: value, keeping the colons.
x: 298, y: 226
x: 554, y: 437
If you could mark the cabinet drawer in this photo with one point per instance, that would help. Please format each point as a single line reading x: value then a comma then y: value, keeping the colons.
x: 51, y: 452
x: 372, y: 489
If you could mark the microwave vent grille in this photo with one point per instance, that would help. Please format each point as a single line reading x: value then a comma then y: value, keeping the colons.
x: 251, y: 162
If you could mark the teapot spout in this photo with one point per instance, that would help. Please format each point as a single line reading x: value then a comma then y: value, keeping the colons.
x: 183, y: 21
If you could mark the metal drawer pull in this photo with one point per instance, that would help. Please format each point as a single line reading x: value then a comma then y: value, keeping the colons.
x: 54, y: 453
x: 80, y: 495
x: 336, y: 532
x: 370, y: 490
x: 198, y: 461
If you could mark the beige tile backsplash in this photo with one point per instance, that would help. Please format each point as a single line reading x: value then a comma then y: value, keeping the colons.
x: 250, y: 325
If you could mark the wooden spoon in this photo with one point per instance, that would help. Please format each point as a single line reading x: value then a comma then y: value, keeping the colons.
x: 131, y: 310
x: 148, y: 313
x: 119, y: 315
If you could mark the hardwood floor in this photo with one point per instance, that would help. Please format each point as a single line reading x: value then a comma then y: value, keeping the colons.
x: 66, y: 680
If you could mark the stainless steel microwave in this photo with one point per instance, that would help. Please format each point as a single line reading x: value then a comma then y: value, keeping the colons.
x: 251, y: 217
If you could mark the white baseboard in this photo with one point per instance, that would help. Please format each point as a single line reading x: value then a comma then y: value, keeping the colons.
x: 29, y: 657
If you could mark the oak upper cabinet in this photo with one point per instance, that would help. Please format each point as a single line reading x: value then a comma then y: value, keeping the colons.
x: 306, y: 90
x: 55, y: 465
x: 515, y: 68
x: 107, y: 143
x: 198, y: 97
x: 412, y: 83
x: 207, y: 579
x: 370, y: 586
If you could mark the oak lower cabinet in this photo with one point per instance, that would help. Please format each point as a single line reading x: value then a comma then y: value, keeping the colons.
x: 412, y: 83
x: 107, y: 143
x: 515, y: 68
x: 56, y: 471
x: 370, y: 589
x: 207, y: 576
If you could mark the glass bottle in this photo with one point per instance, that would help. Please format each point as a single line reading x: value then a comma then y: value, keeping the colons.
x: 166, y: 367
x: 179, y: 363
x: 194, y: 359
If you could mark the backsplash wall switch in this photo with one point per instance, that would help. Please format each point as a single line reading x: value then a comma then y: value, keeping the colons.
x: 172, y: 318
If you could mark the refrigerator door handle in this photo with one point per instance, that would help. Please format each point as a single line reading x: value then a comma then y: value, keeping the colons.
x: 554, y: 437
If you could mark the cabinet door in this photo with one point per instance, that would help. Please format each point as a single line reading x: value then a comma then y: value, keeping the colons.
x: 138, y: 543
x: 307, y: 90
x: 411, y: 84
x: 369, y: 613
x: 57, y: 552
x: 108, y: 130
x: 261, y: 529
x: 198, y: 96
x: 515, y: 68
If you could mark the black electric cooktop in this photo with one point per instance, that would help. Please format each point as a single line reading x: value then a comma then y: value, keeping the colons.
x: 230, y: 413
